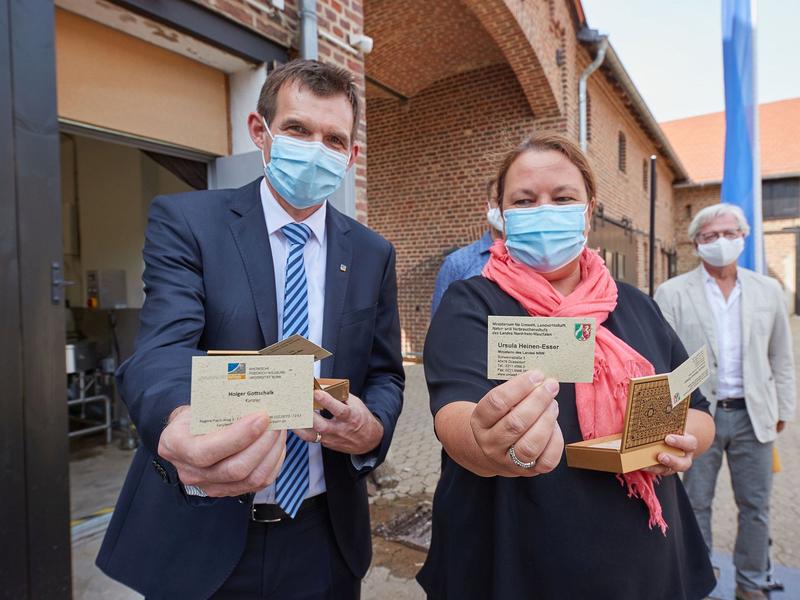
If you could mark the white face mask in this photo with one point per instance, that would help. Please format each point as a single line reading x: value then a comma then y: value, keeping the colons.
x: 495, y: 218
x: 721, y: 251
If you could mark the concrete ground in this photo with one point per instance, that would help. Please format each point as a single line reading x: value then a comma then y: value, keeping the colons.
x: 415, y: 459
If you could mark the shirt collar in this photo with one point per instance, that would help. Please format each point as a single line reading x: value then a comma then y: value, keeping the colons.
x: 708, y: 278
x: 277, y: 217
x: 485, y: 242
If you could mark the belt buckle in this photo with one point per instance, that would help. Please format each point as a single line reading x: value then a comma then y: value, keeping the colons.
x: 254, y: 519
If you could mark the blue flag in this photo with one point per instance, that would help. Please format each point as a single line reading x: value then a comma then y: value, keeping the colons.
x: 741, y: 182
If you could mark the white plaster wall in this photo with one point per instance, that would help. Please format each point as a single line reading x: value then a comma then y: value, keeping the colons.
x: 244, y: 87
x: 115, y: 184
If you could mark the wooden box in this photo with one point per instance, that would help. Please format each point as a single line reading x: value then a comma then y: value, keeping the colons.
x: 649, y: 418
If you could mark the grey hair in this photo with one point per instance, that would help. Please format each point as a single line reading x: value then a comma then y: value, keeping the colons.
x: 709, y: 213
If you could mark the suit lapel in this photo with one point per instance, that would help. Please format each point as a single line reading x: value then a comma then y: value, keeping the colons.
x: 337, y: 276
x: 697, y: 294
x: 249, y: 230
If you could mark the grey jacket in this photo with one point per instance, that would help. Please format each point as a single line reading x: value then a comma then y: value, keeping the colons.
x: 767, y: 360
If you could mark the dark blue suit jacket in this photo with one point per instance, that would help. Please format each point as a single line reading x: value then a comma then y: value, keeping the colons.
x: 210, y: 284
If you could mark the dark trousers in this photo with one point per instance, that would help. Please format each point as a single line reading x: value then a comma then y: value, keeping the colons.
x: 292, y: 560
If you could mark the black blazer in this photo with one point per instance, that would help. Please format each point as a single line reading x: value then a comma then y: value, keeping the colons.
x: 210, y: 284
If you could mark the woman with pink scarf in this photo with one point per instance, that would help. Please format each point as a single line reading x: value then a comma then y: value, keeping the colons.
x: 510, y: 519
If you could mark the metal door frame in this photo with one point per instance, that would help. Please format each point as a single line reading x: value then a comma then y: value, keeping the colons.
x: 34, y: 529
x: 34, y: 452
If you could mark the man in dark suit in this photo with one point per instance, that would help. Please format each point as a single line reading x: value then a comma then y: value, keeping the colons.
x: 245, y: 512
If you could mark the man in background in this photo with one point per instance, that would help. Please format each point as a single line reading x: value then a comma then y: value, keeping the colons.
x: 741, y: 317
x: 469, y: 261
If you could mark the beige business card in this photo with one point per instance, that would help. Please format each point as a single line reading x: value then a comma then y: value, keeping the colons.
x: 688, y: 377
x: 560, y: 347
x: 227, y: 388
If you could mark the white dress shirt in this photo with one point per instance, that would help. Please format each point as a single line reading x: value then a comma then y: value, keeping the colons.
x: 314, y: 258
x: 728, y: 330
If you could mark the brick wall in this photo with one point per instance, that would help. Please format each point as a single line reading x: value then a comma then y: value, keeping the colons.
x: 688, y: 202
x: 624, y: 193
x: 425, y: 42
x: 430, y: 159
x: 781, y: 253
x: 780, y: 248
x: 432, y: 153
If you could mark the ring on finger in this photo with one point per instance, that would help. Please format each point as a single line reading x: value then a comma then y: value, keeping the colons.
x: 318, y: 439
x: 523, y: 465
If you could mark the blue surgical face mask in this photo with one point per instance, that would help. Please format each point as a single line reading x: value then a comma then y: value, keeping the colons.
x: 545, y: 237
x: 303, y: 173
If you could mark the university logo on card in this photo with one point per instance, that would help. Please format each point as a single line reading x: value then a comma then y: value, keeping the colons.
x: 237, y: 370
x: 583, y: 331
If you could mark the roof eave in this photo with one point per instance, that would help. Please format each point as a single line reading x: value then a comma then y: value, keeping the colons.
x: 709, y: 182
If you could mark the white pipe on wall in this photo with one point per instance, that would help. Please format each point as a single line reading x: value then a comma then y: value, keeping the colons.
x: 337, y: 42
x: 308, y: 29
x: 598, y: 60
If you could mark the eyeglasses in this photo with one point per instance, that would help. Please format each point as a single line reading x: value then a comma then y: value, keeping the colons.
x: 730, y: 234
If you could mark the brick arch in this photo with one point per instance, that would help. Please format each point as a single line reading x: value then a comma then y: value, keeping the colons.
x: 426, y: 42
x: 511, y: 24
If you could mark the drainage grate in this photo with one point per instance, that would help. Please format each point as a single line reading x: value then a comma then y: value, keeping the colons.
x: 411, y: 528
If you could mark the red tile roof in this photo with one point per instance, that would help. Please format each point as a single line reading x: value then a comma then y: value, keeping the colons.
x: 700, y: 141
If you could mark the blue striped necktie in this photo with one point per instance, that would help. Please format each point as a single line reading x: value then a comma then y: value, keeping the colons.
x: 292, y: 483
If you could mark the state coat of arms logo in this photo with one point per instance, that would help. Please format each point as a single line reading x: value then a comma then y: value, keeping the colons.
x: 583, y: 331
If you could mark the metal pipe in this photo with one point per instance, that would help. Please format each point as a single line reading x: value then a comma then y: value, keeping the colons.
x: 308, y: 29
x: 598, y: 60
x: 337, y: 42
x: 651, y: 274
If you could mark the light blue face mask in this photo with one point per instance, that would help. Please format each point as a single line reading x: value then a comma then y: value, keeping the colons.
x: 545, y: 237
x: 303, y: 173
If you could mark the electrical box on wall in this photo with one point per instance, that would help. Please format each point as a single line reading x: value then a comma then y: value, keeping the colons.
x: 106, y: 289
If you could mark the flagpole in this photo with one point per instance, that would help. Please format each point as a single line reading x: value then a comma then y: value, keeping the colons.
x: 741, y: 181
x: 760, y: 262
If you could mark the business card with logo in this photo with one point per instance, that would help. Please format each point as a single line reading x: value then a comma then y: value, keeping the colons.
x: 560, y: 347
x: 688, y: 377
x: 227, y: 388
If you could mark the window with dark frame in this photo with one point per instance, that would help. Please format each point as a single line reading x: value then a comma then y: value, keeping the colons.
x: 780, y: 198
x: 645, y: 174
x: 622, y: 151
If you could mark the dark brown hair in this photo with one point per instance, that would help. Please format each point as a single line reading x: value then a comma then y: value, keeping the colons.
x: 323, y: 80
x: 543, y: 142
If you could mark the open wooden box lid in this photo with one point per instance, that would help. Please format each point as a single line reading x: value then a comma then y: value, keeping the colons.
x: 297, y: 345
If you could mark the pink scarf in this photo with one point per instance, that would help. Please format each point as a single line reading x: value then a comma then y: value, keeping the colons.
x: 601, y: 404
